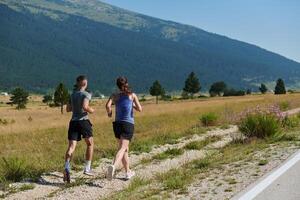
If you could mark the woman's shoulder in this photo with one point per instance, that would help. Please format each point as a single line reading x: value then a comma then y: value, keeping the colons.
x: 114, y: 95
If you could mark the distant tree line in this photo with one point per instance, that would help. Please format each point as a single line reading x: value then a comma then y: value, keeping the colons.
x: 192, y: 86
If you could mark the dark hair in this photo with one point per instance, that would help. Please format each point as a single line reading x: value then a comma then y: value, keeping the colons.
x: 122, y: 84
x: 79, y: 79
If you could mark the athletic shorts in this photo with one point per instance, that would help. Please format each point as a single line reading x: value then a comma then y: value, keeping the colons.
x: 78, y: 129
x: 123, y: 130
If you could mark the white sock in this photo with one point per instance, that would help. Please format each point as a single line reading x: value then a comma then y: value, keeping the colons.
x: 88, y: 165
x: 67, y: 165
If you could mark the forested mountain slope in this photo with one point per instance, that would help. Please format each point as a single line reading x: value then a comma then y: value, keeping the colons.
x: 48, y: 41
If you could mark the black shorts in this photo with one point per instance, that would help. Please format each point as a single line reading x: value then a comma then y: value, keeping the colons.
x: 123, y: 130
x: 80, y: 128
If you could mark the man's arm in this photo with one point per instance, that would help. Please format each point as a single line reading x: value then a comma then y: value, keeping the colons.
x: 69, y: 107
x: 86, y: 106
x: 136, y: 103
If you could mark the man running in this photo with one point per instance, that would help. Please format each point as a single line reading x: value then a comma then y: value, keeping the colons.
x: 80, y: 126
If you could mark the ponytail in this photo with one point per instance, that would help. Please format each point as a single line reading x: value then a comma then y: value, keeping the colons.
x: 123, y: 85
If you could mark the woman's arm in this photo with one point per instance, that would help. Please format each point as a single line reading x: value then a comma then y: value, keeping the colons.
x: 136, y: 103
x: 109, y: 106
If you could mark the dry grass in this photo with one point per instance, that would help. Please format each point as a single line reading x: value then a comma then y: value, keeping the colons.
x: 43, y: 140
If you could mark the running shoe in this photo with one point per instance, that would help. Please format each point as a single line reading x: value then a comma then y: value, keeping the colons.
x: 88, y: 172
x: 67, y: 177
x: 129, y: 175
x: 110, y: 172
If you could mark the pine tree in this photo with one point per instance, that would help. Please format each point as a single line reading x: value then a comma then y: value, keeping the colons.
x: 156, y: 90
x: 280, y: 87
x: 47, y: 99
x: 20, y: 98
x: 217, y: 88
x: 192, y: 84
x: 263, y: 88
x: 61, y: 96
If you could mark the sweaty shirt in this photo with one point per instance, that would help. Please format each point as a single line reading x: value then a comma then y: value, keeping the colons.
x: 77, y: 98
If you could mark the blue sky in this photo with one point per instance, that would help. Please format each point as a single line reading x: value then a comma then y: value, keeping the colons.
x: 271, y: 24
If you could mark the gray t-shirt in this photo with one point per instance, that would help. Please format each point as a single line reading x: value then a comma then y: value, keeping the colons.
x: 77, y: 99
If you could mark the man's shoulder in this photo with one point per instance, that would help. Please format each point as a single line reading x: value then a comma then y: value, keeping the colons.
x: 86, y: 94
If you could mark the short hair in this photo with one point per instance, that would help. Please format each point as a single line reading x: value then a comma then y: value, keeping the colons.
x: 81, y: 78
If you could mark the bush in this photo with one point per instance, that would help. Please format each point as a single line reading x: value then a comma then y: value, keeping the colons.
x: 233, y: 92
x: 209, y: 119
x: 167, y: 98
x: 284, y: 105
x: 260, y: 125
x: 3, y: 121
x: 14, y: 170
x: 202, y: 96
x: 291, y: 122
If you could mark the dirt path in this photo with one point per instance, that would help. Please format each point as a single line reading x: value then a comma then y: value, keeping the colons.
x: 293, y: 111
x: 51, y: 185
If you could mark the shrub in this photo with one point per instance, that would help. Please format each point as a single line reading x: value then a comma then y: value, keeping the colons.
x: 30, y: 119
x: 284, y: 105
x: 209, y: 119
x: 3, y: 121
x: 14, y: 169
x: 291, y: 122
x: 233, y: 92
x: 167, y: 98
x: 260, y: 125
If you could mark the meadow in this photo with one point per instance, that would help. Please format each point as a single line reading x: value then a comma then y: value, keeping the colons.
x: 38, y: 134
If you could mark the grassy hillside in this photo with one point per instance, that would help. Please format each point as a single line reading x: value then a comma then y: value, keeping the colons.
x: 44, y: 42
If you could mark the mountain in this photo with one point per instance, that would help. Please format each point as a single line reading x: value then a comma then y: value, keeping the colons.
x: 43, y: 42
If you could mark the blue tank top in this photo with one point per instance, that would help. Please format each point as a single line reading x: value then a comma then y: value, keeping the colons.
x: 124, y: 109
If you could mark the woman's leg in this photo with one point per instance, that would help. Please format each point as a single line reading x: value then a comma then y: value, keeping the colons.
x: 125, y: 160
x: 123, y: 148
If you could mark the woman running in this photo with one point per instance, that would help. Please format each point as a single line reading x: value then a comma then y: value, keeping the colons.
x: 125, y: 101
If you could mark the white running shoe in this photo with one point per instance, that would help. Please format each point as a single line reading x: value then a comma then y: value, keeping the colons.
x: 129, y: 175
x: 88, y: 172
x: 110, y: 172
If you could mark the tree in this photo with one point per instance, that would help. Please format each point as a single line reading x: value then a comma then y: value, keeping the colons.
x: 19, y: 97
x: 248, y: 91
x: 263, y: 88
x: 233, y: 92
x: 192, y: 84
x: 156, y: 90
x: 217, y: 88
x: 280, y: 87
x: 47, y: 99
x: 61, y: 96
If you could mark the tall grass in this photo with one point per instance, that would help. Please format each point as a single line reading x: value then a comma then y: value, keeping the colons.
x: 209, y: 119
x: 42, y: 142
x: 16, y: 169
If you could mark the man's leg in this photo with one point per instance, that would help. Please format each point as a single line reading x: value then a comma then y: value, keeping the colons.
x: 70, y: 151
x: 68, y: 157
x: 89, y: 153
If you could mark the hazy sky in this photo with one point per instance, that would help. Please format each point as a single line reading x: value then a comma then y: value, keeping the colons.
x: 271, y: 24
